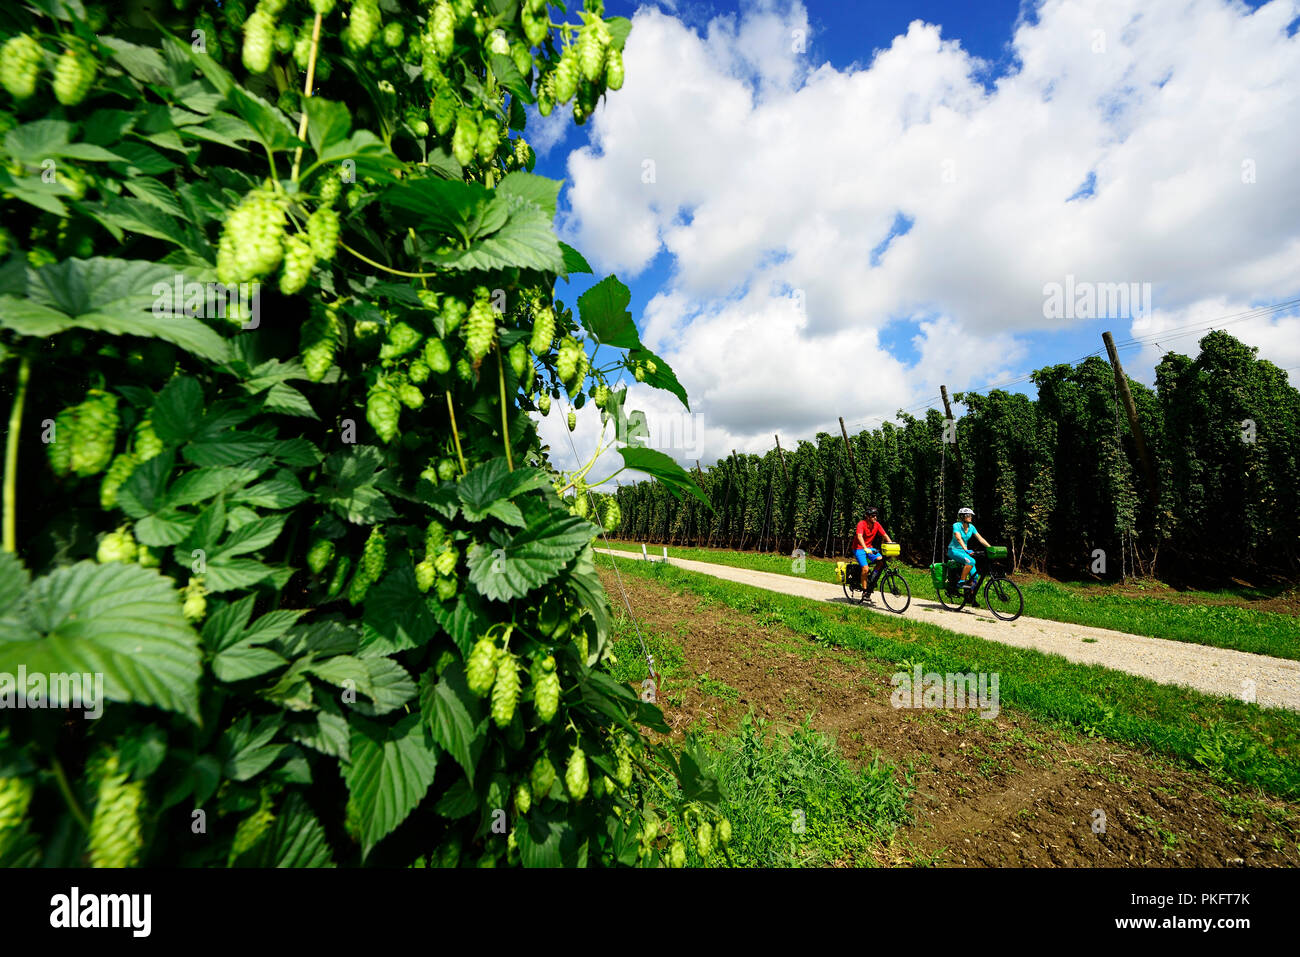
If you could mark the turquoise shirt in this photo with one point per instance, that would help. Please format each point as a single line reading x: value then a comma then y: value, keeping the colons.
x: 965, y: 537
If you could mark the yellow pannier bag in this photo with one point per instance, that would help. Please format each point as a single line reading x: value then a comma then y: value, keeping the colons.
x: 839, y: 571
x: 889, y: 549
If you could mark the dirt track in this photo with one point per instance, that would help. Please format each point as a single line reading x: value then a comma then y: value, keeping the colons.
x: 1217, y: 671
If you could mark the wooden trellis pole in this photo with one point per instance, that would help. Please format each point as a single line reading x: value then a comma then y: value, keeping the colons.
x: 956, y: 447
x: 1139, y: 439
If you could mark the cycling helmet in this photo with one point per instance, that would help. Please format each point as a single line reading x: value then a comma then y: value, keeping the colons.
x: 871, y: 513
x: 965, y: 511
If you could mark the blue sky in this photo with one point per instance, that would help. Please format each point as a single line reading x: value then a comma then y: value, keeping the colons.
x: 1088, y: 136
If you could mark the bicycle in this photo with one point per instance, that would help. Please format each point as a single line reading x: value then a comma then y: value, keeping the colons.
x: 893, y: 587
x: 1001, y: 595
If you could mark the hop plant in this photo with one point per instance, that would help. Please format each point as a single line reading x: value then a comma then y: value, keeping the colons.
x: 677, y: 855
x: 115, y: 837
x: 613, y: 515
x: 566, y: 75
x: 601, y: 395
x: 546, y: 695
x: 435, y: 356
x: 591, y: 53
x: 614, y: 69
x: 543, y: 331
x: 410, y: 396
x: 20, y: 65
x: 374, y: 554
x: 566, y: 364
x: 73, y: 75
x: 623, y: 772
x: 196, y: 603
x: 480, y: 328
x: 330, y: 188
x: 481, y: 667
x: 116, y: 546
x: 401, y: 339
x: 442, y: 29
x: 425, y: 575
x: 363, y: 21
x: 59, y: 450
x: 464, y: 141
x: 505, y: 690
x: 575, y: 775
x: 319, y: 340
x: 724, y: 832
x: 382, y: 412
x: 544, y: 403
x: 523, y: 799
x: 443, y: 110
x: 299, y: 260
x: 259, y: 38
x: 323, y: 231
x: 147, y: 444
x: 393, y: 35
x: 704, y: 839
x: 446, y: 469
x: 250, y: 245
x: 96, y: 433
x: 320, y: 555
x: 519, y: 359
x: 15, y: 798
x: 489, y: 136
x: 573, y: 420
x: 535, y: 21
x: 117, y: 473
x: 542, y: 777
x: 445, y: 561
x: 453, y: 313
x: 523, y: 153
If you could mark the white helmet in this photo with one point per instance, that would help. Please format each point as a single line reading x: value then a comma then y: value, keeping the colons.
x: 965, y: 511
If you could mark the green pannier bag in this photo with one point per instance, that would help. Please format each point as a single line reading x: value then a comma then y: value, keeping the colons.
x: 997, y: 551
x: 936, y: 574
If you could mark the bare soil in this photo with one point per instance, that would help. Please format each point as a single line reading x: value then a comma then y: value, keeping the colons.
x: 1006, y: 791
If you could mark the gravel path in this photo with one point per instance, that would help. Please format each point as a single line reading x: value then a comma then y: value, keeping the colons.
x: 1217, y: 671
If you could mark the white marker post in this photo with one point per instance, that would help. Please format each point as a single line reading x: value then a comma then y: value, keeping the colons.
x: 644, y: 556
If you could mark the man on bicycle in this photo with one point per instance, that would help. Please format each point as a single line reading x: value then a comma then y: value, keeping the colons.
x: 963, y: 530
x: 869, y: 533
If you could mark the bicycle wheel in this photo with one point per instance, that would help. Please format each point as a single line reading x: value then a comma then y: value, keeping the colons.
x: 1002, y: 597
x: 895, y: 592
x: 952, y: 602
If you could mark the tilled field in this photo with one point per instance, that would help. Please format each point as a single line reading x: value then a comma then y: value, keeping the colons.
x: 1005, y: 791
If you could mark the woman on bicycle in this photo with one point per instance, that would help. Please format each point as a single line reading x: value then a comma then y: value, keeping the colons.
x: 869, y: 532
x: 963, y: 530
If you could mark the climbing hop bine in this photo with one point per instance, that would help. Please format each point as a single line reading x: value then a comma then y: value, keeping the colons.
x: 651, y: 686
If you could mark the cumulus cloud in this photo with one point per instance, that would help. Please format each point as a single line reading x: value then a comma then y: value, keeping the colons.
x: 1153, y: 141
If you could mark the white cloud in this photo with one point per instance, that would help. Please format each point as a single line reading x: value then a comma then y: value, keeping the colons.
x: 773, y: 172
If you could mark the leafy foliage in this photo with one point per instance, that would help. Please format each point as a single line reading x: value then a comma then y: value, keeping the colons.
x: 272, y: 472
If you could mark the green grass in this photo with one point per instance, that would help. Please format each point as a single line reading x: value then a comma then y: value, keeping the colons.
x: 1233, y: 740
x: 794, y: 801
x: 1219, y: 626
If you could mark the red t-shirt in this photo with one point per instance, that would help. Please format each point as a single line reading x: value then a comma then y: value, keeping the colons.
x: 869, y: 531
